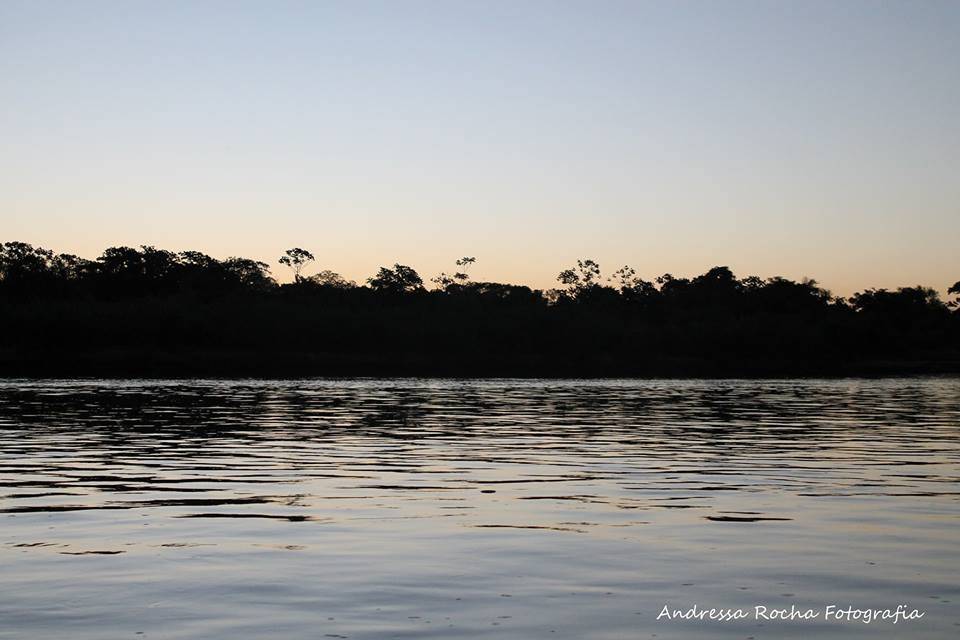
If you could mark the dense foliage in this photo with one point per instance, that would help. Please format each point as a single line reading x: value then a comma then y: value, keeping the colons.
x: 149, y: 311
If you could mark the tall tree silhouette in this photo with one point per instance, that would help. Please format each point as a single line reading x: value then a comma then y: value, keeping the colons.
x: 296, y: 259
x: 446, y: 281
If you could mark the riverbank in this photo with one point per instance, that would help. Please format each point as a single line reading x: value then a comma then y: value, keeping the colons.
x: 192, y: 363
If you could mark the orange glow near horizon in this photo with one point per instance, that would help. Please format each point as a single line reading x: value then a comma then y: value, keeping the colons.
x: 526, y: 135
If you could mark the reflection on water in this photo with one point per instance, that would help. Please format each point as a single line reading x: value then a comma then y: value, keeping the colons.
x: 521, y: 509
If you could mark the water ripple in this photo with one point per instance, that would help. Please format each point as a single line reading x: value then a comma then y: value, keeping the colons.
x: 385, y: 508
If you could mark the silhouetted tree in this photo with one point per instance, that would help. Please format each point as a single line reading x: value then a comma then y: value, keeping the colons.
x: 445, y: 281
x: 195, y: 260
x: 464, y: 263
x: 327, y: 278
x: 580, y: 278
x: 128, y: 271
x: 400, y: 279
x: 250, y: 274
x: 672, y: 287
x: 27, y: 270
x: 495, y: 291
x: 781, y: 295
x: 68, y: 267
x: 903, y: 302
x: 633, y: 288
x: 296, y: 259
x: 19, y: 259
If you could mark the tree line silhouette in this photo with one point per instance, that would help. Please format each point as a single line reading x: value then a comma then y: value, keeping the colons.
x: 148, y: 311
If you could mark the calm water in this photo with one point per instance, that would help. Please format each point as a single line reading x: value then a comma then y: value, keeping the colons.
x: 465, y: 509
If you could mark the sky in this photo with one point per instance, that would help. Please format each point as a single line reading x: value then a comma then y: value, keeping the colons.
x: 817, y: 139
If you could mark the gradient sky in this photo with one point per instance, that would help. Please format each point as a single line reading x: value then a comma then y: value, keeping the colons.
x: 795, y: 138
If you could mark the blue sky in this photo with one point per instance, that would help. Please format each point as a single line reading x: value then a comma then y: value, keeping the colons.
x: 780, y: 138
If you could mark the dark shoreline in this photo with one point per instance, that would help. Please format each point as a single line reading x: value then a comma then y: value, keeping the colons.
x: 181, y: 364
x: 157, y: 314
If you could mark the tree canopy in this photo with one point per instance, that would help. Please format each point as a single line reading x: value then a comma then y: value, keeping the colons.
x: 617, y: 323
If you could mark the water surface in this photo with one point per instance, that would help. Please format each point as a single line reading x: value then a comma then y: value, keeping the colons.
x: 474, y: 508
